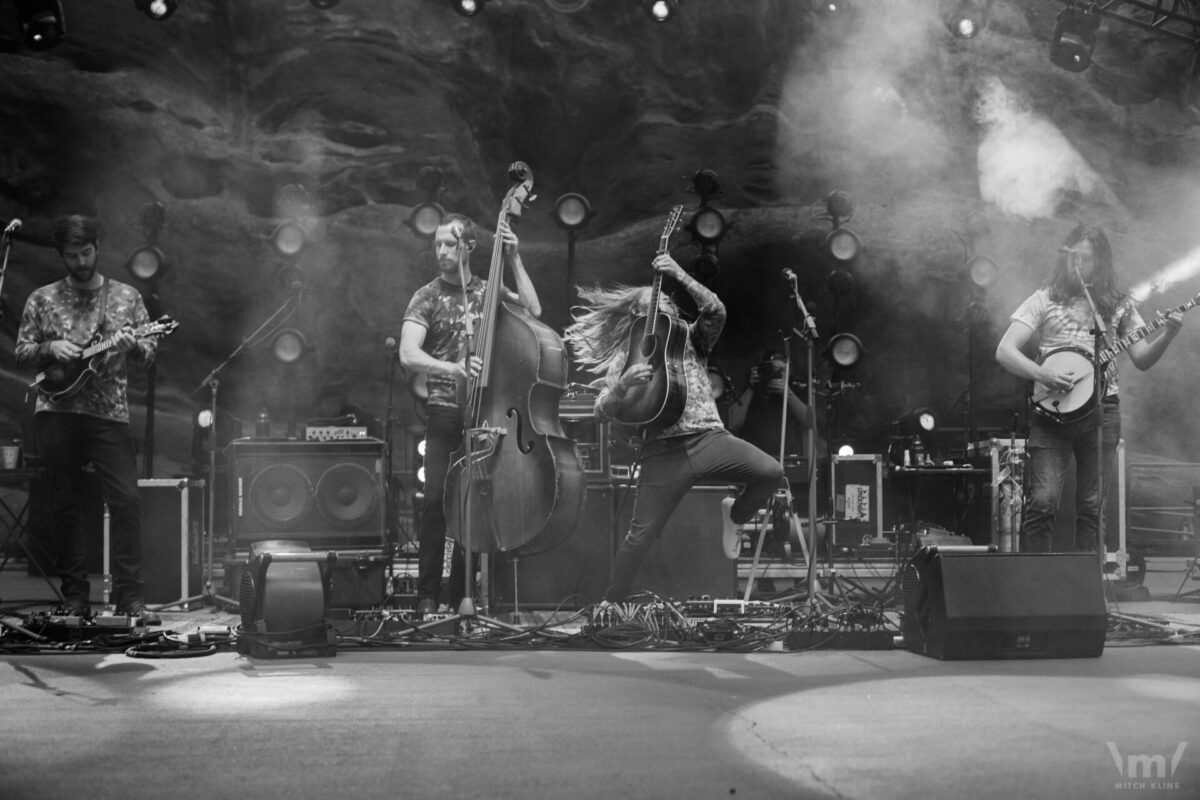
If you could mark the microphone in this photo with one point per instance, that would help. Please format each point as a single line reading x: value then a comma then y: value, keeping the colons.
x: 13, y: 226
x: 391, y: 345
x: 788, y: 274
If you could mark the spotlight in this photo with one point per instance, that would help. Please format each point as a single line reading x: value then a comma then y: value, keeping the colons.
x: 289, y: 346
x: 842, y: 244
x: 425, y: 219
x: 966, y: 18
x: 918, y: 421
x: 468, y: 8
x: 841, y: 282
x: 983, y: 271
x: 707, y: 224
x: 157, y: 10
x: 1074, y: 38
x: 844, y: 349
x: 572, y: 211
x: 839, y: 206
x: 845, y: 450
x: 324, y: 4
x: 661, y: 10
x: 706, y: 266
x: 146, y: 263
x: 42, y: 23
x: 289, y: 238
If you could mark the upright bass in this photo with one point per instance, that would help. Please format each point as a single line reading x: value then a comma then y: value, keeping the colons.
x: 516, y: 483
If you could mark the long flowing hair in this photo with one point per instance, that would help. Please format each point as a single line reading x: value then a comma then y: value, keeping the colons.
x: 1064, y: 284
x: 599, y: 333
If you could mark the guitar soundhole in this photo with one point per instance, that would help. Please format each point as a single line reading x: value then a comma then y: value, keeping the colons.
x: 649, y: 346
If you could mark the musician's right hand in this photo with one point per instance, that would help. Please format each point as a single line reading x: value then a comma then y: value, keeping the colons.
x: 64, y: 351
x: 1059, y: 380
x: 638, y: 374
x: 472, y: 367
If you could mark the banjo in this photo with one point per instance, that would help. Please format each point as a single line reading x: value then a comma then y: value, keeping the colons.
x: 1077, y: 402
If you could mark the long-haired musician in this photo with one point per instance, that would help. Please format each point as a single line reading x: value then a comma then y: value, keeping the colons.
x: 694, y: 447
x: 1061, y: 314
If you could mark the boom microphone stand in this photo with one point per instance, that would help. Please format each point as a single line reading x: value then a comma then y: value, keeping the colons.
x: 277, y: 318
x: 1099, y: 340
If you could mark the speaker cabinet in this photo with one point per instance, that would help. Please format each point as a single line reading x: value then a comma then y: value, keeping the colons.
x: 570, y: 576
x: 1003, y: 605
x: 326, y: 494
x: 689, y: 559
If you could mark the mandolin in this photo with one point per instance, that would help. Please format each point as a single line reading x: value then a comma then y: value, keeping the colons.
x: 61, y: 380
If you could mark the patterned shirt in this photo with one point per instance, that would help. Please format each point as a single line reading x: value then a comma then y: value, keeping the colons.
x: 699, y: 410
x: 438, y: 307
x: 1070, y: 325
x: 60, y: 311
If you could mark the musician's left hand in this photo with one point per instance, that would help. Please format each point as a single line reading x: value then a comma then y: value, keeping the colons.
x: 124, y: 341
x: 506, y: 234
x: 1172, y: 323
x: 668, y: 266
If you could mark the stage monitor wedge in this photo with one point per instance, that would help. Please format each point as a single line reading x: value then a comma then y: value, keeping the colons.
x: 967, y: 605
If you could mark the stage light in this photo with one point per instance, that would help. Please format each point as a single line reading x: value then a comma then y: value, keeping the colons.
x: 845, y: 450
x: 839, y: 206
x: 468, y: 8
x: 966, y: 18
x: 42, y: 23
x: 707, y: 224
x: 324, y: 4
x: 425, y: 219
x: 840, y: 282
x: 842, y: 244
x: 146, y: 263
x: 289, y: 346
x: 844, y: 349
x: 983, y: 271
x: 706, y: 266
x: 157, y: 10
x: 572, y: 211
x: 289, y: 238
x: 1074, y: 38
x: 661, y: 10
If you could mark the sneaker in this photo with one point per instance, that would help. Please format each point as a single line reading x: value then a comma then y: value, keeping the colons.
x: 138, y: 608
x: 731, y: 532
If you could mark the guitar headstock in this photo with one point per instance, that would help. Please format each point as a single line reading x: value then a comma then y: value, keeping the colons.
x: 673, y: 220
x: 160, y: 327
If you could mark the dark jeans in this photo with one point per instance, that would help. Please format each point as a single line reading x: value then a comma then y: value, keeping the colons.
x: 443, y: 435
x: 1053, y: 449
x: 669, y: 468
x: 68, y: 442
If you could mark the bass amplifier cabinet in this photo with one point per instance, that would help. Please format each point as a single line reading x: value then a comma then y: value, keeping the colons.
x: 325, y: 494
x: 970, y: 605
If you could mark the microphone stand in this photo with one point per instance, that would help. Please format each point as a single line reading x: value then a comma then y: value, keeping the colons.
x: 285, y: 310
x: 1099, y: 340
x: 389, y: 504
x: 809, y: 334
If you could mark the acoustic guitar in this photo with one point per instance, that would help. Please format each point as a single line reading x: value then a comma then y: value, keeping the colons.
x: 657, y: 339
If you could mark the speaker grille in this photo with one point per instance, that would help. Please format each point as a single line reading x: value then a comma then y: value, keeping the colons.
x: 280, y: 495
x: 347, y: 495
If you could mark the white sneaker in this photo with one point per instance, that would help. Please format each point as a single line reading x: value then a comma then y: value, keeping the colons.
x: 731, y: 533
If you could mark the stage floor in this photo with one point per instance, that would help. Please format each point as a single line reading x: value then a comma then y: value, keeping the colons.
x: 516, y: 722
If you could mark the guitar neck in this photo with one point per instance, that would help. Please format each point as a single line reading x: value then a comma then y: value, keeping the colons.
x: 1135, y: 336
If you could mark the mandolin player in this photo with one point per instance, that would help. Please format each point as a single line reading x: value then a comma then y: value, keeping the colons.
x: 1081, y: 289
x: 90, y: 423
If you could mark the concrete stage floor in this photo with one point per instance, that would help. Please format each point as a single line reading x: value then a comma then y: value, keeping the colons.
x: 424, y: 722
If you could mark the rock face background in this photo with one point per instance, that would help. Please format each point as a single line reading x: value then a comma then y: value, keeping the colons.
x: 949, y: 149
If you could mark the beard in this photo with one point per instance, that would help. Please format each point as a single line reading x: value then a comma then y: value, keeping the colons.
x: 82, y: 274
